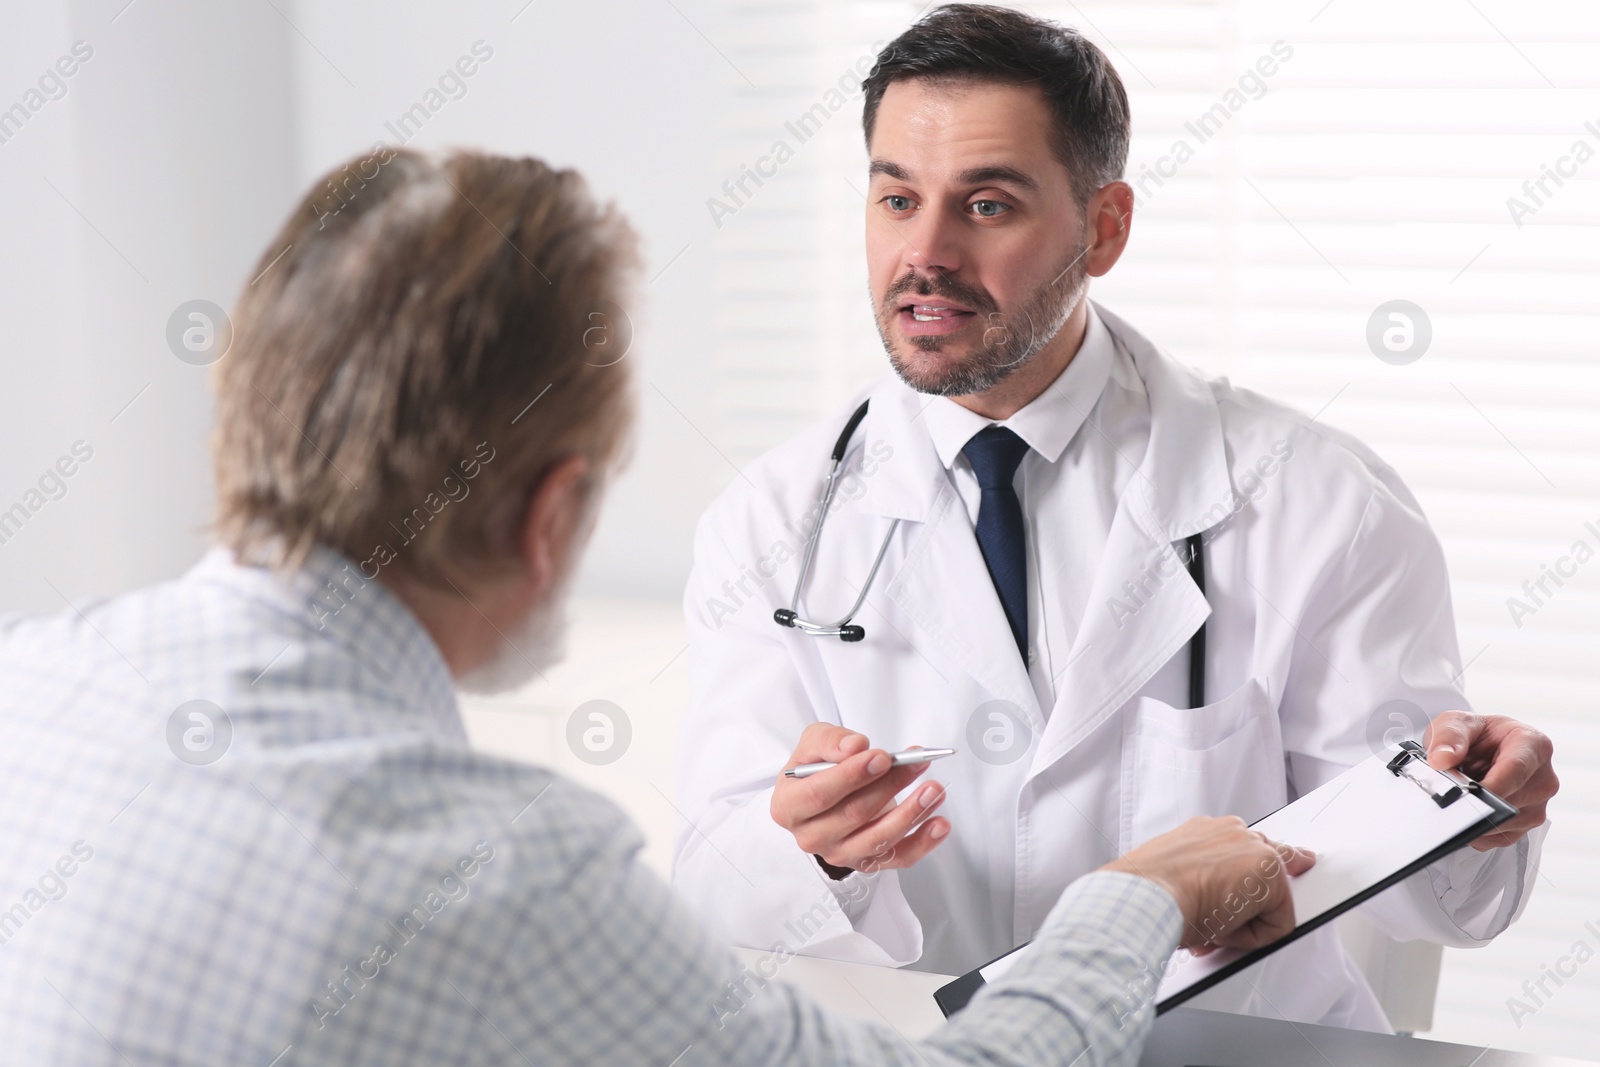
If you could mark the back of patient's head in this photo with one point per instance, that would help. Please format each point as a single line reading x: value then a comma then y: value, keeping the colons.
x: 420, y: 305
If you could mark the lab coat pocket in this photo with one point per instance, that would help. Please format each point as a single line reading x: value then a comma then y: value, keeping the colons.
x: 1224, y: 758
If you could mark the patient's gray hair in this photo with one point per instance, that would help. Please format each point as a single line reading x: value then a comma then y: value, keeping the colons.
x: 405, y: 318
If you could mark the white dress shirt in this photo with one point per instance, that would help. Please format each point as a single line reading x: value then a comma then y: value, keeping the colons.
x: 1068, y: 484
x: 348, y: 883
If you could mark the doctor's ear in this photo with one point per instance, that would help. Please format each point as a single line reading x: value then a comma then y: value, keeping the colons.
x: 1108, y: 221
x: 556, y: 522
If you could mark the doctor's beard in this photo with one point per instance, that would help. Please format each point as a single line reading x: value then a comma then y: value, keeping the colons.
x: 1009, y: 340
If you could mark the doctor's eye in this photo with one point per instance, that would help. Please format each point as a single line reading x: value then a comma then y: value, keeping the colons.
x: 897, y: 204
x: 989, y: 209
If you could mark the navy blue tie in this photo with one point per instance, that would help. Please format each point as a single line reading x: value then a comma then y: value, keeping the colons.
x: 994, y: 454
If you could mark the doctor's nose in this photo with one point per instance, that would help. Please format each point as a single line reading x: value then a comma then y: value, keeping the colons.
x: 933, y: 246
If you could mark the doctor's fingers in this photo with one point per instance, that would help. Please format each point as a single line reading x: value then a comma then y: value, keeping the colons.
x: 1505, y: 835
x: 868, y: 823
x: 796, y: 799
x: 868, y: 805
x: 823, y: 742
x: 1500, y: 751
x: 896, y: 839
x: 1530, y: 816
x: 840, y: 801
x: 1520, y: 771
x: 1449, y: 737
x: 1511, y: 758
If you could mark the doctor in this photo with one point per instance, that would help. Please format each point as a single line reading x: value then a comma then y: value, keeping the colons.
x: 1036, y: 476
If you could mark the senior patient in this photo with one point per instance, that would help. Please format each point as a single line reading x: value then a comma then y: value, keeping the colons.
x: 242, y: 822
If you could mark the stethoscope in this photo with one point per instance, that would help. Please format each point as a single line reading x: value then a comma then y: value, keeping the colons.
x: 845, y: 630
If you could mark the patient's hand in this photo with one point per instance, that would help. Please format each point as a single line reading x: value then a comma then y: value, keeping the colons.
x: 1230, y: 881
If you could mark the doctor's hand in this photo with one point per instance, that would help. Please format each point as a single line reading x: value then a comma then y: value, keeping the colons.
x: 847, y: 816
x: 1231, y: 882
x: 1510, y: 758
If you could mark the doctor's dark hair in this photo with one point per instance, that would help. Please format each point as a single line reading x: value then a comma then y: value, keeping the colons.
x: 417, y: 349
x: 976, y: 42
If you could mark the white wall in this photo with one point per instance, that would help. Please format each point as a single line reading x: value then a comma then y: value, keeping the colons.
x: 184, y: 141
x: 152, y: 181
x: 626, y: 92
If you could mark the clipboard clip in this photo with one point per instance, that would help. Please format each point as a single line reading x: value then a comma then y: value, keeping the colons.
x: 1443, y: 787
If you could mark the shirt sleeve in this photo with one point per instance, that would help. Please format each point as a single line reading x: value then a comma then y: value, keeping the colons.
x: 1380, y: 633
x: 606, y: 966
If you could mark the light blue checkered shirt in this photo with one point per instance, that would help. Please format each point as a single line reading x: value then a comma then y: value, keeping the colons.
x: 348, y: 883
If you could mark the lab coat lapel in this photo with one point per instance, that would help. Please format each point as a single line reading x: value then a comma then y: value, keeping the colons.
x: 1142, y: 610
x: 1144, y: 606
x: 943, y: 585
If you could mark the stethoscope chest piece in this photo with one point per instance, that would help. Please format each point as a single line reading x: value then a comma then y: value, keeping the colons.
x: 844, y: 629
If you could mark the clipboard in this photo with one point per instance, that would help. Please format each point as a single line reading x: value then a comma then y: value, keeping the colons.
x: 1425, y: 815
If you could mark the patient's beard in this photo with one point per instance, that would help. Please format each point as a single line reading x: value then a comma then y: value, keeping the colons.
x: 527, y: 649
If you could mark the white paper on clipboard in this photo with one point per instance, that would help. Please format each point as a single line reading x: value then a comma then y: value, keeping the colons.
x: 1365, y: 826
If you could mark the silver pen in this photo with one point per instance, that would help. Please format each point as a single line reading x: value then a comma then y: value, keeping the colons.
x: 899, y: 759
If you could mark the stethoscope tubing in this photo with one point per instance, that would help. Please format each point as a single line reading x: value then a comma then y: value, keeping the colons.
x: 847, y: 631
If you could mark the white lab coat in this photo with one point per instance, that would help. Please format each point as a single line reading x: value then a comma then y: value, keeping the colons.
x: 1328, y: 597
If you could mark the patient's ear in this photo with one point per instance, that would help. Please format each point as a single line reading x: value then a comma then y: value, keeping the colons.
x: 555, y: 523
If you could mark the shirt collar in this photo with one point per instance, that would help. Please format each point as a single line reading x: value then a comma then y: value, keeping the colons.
x: 330, y: 596
x: 1049, y: 421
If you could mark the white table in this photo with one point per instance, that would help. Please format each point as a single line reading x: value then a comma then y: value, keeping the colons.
x: 1185, y: 1036
x: 903, y: 999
